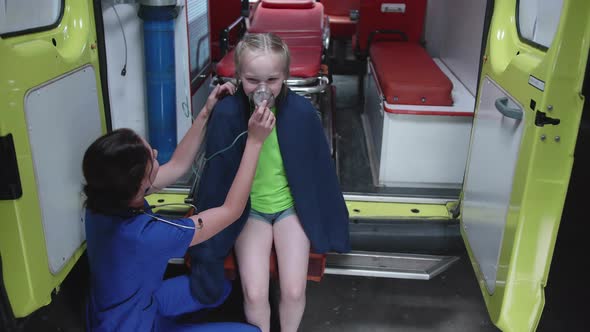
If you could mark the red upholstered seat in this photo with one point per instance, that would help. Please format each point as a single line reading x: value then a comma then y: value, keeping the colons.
x: 286, y: 19
x: 408, y: 75
x: 288, y: 4
x: 299, y: 23
x: 315, y: 267
x: 339, y: 13
x: 226, y: 67
x: 341, y: 26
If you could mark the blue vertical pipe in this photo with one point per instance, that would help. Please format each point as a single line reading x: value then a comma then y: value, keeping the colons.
x: 158, y: 35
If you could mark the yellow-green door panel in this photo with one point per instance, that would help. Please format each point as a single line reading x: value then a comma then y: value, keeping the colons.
x: 544, y: 160
x: 26, y: 62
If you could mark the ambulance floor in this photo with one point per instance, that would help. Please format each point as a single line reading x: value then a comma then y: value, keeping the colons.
x: 450, y: 302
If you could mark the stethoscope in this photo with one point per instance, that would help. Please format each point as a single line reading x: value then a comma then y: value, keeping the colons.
x: 200, y: 222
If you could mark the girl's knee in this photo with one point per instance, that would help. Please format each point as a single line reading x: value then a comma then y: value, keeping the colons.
x: 255, y: 295
x: 294, y: 293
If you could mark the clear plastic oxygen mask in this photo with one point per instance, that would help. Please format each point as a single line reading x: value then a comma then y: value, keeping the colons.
x: 261, y: 94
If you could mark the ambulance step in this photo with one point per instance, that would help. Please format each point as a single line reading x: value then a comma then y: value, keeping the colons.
x: 387, y: 265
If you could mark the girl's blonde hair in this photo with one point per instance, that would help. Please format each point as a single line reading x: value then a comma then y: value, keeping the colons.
x: 265, y: 43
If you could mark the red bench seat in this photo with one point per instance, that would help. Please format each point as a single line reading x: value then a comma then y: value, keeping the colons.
x: 408, y: 75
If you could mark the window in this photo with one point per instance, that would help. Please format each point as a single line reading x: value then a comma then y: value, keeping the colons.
x: 198, y: 34
x: 20, y: 16
x: 538, y: 20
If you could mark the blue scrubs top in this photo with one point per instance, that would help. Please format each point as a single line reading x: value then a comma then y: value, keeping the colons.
x: 128, y: 256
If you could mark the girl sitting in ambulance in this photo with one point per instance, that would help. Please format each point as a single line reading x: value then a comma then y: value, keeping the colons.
x: 296, y: 204
x: 129, y: 246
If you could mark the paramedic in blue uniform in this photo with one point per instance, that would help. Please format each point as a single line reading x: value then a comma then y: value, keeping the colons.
x: 129, y: 246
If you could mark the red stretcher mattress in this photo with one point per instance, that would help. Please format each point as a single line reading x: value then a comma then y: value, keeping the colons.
x: 407, y: 75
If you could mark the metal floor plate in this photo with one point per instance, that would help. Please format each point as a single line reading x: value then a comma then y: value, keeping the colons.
x: 388, y: 265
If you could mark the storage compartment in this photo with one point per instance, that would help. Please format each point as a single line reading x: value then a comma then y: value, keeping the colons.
x: 418, y: 100
x: 417, y: 146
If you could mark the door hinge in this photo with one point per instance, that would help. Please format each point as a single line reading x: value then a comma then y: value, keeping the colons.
x: 541, y: 119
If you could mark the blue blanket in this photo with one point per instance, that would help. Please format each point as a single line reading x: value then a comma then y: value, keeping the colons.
x: 310, y: 172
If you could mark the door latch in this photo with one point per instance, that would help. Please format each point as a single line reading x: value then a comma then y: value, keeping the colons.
x: 541, y: 119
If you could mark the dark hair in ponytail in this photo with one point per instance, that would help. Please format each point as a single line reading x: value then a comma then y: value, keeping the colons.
x: 114, y: 166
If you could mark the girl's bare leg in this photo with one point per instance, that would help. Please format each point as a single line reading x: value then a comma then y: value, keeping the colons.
x: 253, y: 252
x: 292, y: 247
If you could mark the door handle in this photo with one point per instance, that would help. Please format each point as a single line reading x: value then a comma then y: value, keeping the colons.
x: 509, y: 112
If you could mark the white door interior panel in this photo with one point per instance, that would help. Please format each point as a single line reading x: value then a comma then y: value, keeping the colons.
x: 63, y: 119
x: 496, y: 139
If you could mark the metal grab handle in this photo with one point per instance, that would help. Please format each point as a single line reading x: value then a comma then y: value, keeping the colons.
x: 224, y: 36
x: 502, y: 106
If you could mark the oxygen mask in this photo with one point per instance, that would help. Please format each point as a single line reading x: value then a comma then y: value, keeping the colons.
x: 261, y: 94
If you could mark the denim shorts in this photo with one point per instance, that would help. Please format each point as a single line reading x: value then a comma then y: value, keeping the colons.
x: 272, y: 218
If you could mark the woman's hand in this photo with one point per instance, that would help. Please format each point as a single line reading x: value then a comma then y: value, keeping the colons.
x: 261, y: 123
x: 218, y: 92
x: 186, y: 150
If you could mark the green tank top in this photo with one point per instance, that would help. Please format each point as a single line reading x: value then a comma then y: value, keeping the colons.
x: 270, y: 189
